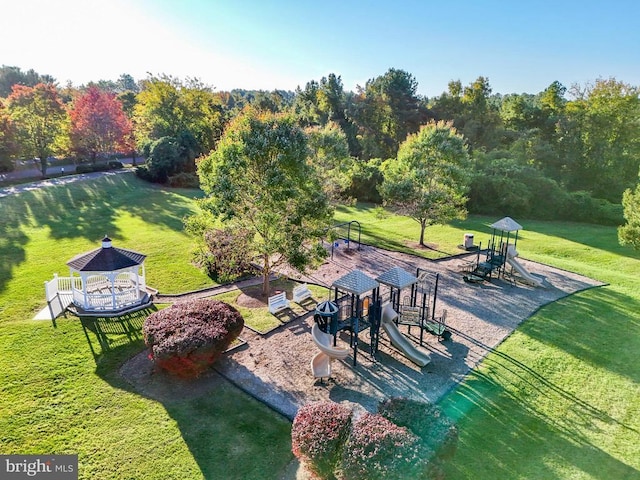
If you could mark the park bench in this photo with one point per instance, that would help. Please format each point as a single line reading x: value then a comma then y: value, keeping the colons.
x: 278, y: 302
x: 301, y: 292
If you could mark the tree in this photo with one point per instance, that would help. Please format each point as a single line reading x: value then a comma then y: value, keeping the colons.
x: 10, y: 76
x: 98, y: 124
x: 8, y: 145
x: 428, y: 180
x: 606, y: 117
x: 258, y: 179
x: 386, y: 110
x: 39, y: 117
x: 329, y: 155
x: 629, y: 234
x: 167, y: 107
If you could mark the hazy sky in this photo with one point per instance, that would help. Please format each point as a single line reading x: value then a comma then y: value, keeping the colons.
x: 521, y: 46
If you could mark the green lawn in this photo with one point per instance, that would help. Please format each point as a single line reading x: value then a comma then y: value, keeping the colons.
x: 560, y: 398
x: 60, y: 391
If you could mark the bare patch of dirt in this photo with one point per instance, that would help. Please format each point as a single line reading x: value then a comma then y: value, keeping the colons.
x: 251, y: 301
x: 417, y: 246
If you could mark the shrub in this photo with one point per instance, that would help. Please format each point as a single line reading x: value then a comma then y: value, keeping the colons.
x: 318, y: 434
x: 115, y: 164
x: 228, y: 253
x: 435, y: 430
x: 379, y: 449
x: 186, y: 338
x: 184, y: 180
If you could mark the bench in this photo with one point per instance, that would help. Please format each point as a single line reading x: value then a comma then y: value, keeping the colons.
x: 301, y: 292
x: 278, y: 302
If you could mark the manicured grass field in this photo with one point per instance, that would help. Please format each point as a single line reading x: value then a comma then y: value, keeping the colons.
x: 560, y: 398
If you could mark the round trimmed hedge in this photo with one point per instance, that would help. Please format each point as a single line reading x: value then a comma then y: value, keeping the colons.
x: 318, y: 433
x: 187, y: 338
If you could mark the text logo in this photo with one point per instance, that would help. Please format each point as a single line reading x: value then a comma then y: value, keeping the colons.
x: 45, y: 467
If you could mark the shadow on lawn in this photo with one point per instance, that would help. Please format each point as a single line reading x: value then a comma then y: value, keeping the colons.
x: 517, y: 423
x: 524, y: 440
x: 601, y: 327
x: 87, y: 210
x: 226, y: 431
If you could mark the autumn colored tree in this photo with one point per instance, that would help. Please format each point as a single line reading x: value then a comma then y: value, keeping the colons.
x: 39, y: 117
x: 8, y: 145
x: 98, y: 124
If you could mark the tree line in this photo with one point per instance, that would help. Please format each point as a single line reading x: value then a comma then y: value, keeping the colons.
x: 564, y: 153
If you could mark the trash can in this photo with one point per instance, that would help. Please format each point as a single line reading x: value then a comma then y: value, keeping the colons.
x: 468, y: 241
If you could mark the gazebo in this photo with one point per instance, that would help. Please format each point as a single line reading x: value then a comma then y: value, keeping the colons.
x: 108, y: 279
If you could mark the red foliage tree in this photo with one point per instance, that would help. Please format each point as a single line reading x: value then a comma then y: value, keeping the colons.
x: 98, y: 124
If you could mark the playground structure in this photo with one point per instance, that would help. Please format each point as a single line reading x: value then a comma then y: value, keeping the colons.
x: 500, y: 253
x: 321, y: 362
x: 358, y: 306
x: 346, y: 239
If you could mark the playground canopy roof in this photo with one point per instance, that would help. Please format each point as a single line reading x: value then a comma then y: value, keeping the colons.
x: 397, y: 278
x: 356, y: 282
x: 507, y: 224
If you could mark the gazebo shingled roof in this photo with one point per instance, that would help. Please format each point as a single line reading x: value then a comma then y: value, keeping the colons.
x: 106, y: 259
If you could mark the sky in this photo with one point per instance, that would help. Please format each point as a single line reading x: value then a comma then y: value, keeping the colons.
x: 520, y: 46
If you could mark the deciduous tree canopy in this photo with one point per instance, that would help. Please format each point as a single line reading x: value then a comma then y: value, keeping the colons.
x: 258, y: 179
x: 428, y: 180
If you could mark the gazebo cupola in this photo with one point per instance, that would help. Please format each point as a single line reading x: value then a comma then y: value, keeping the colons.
x: 108, y: 279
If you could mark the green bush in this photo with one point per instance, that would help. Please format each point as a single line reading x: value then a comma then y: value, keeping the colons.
x: 582, y: 207
x: 186, y: 338
x: 318, y: 434
x: 184, y: 180
x: 98, y: 167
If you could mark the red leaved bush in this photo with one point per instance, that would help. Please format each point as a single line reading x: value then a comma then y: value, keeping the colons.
x: 379, y: 449
x: 186, y: 338
x: 318, y: 433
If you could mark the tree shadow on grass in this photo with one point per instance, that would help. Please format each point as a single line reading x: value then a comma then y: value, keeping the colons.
x: 84, y: 210
x: 526, y: 441
x: 599, y: 326
x: 227, y: 431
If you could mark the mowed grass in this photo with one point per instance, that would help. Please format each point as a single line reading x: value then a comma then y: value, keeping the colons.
x: 60, y: 391
x: 560, y: 398
x: 259, y: 318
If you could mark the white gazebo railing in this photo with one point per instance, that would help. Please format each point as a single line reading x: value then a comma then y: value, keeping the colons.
x: 99, y: 292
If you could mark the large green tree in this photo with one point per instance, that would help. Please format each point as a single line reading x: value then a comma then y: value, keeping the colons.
x: 189, y: 112
x: 329, y: 156
x: 386, y: 110
x: 39, y: 117
x: 606, y: 118
x: 430, y: 177
x: 258, y: 179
